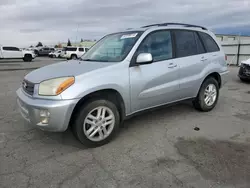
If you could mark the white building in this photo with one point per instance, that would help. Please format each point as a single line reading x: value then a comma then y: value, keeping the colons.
x: 236, y: 47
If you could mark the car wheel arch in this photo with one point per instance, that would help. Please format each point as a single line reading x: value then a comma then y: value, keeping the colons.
x: 214, y: 75
x: 73, y: 55
x: 110, y: 94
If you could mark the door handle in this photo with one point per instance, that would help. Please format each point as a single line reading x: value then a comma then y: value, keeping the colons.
x: 203, y: 59
x: 172, y: 65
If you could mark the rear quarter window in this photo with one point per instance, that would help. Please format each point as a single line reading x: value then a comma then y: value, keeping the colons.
x: 209, y: 42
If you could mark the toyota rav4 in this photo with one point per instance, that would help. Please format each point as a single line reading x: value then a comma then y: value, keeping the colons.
x: 122, y: 74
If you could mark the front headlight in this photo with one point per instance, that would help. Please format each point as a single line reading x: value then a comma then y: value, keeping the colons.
x: 55, y: 86
x: 243, y: 65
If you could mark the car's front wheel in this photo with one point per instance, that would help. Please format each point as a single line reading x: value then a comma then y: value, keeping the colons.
x: 208, y: 95
x: 27, y: 58
x: 97, y: 123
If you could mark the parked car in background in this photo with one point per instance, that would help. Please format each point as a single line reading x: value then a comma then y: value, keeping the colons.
x: 10, y: 52
x: 45, y: 51
x: 123, y: 74
x: 244, y: 71
x: 55, y: 54
x: 32, y: 50
x: 73, y: 52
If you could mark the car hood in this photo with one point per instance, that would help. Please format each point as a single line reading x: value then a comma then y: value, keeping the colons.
x: 66, y: 68
x: 246, y: 62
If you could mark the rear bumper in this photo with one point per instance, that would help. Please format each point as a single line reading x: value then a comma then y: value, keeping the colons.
x: 60, y: 111
x: 224, y: 77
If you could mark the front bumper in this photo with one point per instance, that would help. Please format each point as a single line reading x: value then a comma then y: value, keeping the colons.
x: 244, y: 74
x: 60, y: 111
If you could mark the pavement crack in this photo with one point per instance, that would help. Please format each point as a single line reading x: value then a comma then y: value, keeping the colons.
x: 107, y: 171
x: 70, y: 177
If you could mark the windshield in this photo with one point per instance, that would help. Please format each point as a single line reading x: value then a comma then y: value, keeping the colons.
x: 112, y: 48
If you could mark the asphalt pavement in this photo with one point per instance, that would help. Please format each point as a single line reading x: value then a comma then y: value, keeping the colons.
x: 173, y: 147
x: 19, y: 64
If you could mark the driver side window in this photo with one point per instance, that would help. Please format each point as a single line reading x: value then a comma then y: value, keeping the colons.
x: 159, y: 44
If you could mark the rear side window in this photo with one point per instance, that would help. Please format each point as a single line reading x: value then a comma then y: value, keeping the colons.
x: 159, y: 44
x: 185, y: 43
x: 81, y: 50
x: 209, y: 42
x: 71, y: 49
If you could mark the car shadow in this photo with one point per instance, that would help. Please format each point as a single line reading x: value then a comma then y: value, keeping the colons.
x: 67, y: 138
x: 158, y: 113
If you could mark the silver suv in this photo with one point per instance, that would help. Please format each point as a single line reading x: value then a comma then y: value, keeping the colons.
x: 122, y: 74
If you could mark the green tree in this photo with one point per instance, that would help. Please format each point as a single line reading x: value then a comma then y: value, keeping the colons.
x: 69, y: 43
x: 39, y: 44
x: 81, y: 40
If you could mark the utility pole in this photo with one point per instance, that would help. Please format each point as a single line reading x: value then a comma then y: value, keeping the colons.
x: 77, y: 32
x: 238, y: 51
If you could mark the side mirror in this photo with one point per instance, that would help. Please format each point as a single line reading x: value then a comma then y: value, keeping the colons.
x: 144, y: 58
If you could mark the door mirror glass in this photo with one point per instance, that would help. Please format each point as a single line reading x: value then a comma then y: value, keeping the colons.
x: 144, y: 58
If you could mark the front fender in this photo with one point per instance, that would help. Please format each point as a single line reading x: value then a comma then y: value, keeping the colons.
x: 108, y: 78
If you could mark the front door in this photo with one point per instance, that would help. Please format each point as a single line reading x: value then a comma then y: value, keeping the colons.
x: 17, y: 53
x: 157, y: 83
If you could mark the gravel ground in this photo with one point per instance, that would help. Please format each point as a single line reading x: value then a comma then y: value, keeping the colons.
x: 172, y: 147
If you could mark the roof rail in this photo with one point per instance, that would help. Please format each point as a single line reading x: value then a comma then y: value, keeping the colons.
x: 183, y: 24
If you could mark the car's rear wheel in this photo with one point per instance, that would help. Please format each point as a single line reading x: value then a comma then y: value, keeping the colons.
x: 97, y: 123
x: 27, y: 58
x: 208, y: 95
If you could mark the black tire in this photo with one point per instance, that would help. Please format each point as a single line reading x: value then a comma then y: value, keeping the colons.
x: 244, y: 80
x: 199, y: 102
x: 82, y: 114
x: 73, y: 56
x: 27, y: 58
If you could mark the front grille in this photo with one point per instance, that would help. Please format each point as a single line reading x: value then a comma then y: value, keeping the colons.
x: 28, y: 87
x: 247, y: 67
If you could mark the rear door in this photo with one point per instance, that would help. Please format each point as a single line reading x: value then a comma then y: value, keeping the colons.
x: 81, y: 52
x: 191, y: 57
x: 213, y: 51
x: 156, y: 83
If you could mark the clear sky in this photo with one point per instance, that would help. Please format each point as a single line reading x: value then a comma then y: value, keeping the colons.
x: 25, y: 22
